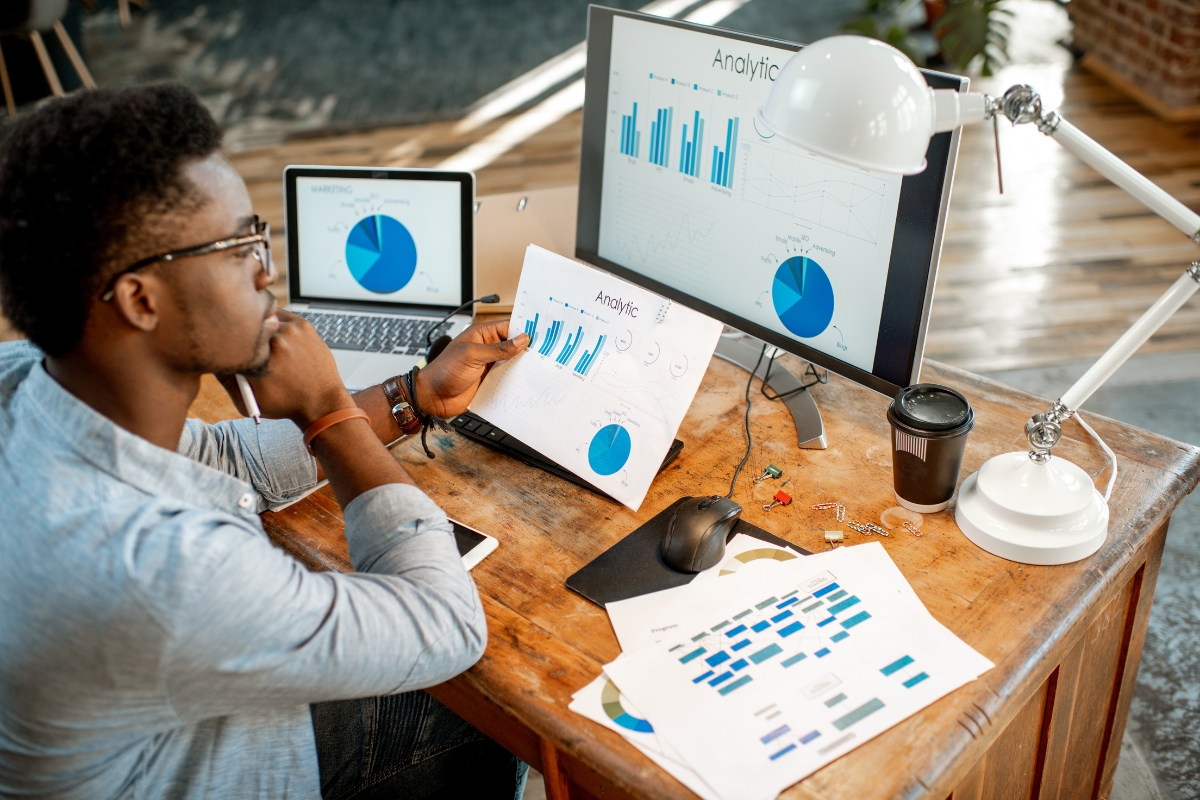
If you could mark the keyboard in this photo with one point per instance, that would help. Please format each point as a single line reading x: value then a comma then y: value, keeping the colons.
x: 404, y: 336
x: 476, y: 427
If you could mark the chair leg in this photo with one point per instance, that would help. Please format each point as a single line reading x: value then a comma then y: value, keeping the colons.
x: 8, y: 93
x: 47, y: 65
x: 76, y: 60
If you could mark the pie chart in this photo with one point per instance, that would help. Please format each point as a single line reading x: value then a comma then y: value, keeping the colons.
x: 381, y: 254
x: 803, y: 296
x: 610, y: 699
x: 609, y: 449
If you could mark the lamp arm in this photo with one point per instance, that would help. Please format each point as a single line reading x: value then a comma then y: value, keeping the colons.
x: 1022, y: 104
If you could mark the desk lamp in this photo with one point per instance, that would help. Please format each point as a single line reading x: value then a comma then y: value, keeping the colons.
x: 863, y: 102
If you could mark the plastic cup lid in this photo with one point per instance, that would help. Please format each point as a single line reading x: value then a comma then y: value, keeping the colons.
x: 929, y: 407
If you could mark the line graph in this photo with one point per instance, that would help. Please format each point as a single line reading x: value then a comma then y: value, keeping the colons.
x: 838, y: 198
x: 663, y: 231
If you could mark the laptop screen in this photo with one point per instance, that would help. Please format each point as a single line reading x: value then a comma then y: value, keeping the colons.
x: 374, y: 237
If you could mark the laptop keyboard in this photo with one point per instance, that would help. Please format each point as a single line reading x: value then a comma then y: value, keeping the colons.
x: 385, y: 334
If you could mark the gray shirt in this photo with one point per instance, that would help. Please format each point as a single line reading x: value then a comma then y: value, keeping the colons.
x: 154, y: 643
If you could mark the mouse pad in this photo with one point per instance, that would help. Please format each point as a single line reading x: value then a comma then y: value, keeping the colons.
x: 634, y: 566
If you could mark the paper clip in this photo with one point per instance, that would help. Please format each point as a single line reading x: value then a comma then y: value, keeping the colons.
x: 858, y: 526
x: 771, y: 471
x: 781, y: 498
x: 913, y: 529
x: 841, y: 509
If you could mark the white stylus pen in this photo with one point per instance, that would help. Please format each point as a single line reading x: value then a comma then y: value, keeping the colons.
x: 248, y: 399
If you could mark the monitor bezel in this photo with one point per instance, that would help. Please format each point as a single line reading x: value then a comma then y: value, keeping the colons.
x: 466, y: 181
x: 591, y: 175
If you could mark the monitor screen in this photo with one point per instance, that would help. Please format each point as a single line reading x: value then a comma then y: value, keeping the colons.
x: 379, y: 237
x: 683, y: 193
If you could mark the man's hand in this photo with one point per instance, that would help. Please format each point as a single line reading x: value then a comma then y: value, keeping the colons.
x: 445, y: 387
x: 301, y: 382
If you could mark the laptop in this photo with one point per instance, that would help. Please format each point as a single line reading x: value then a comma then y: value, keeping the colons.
x: 376, y: 258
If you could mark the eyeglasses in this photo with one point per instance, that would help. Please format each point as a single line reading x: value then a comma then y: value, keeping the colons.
x: 259, y: 238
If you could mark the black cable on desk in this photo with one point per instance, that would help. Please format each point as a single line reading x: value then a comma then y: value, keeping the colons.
x: 749, y: 438
x: 488, y: 298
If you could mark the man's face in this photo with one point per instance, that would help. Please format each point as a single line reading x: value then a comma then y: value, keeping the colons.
x: 219, y: 316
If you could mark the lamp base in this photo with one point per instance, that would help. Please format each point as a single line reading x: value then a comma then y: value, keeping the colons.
x: 1031, y: 512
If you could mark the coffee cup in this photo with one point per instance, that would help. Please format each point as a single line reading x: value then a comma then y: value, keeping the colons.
x: 930, y: 424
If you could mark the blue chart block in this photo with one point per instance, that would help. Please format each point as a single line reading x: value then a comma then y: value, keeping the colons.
x: 717, y: 658
x: 699, y: 651
x: 735, y: 631
x: 775, y: 734
x: 571, y: 346
x: 861, y: 616
x: 808, y: 737
x: 584, y: 365
x: 531, y: 329
x: 699, y: 678
x: 865, y: 710
x: 740, y: 682
x: 784, y: 751
x: 914, y: 680
x: 629, y: 133
x: 741, y: 644
x: 759, y: 627
x: 824, y: 651
x: 825, y: 590
x: 779, y: 617
x: 739, y: 664
x: 796, y: 659
x: 787, y: 603
x: 897, y: 665
x: 788, y: 630
x: 842, y: 606
x: 837, y: 637
x: 825, y: 622
x: 551, y: 338
x: 767, y: 652
x: 724, y: 676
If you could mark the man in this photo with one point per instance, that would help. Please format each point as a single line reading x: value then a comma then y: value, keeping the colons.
x: 152, y: 641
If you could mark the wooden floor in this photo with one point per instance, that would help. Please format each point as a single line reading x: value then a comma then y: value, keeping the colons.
x: 1053, y: 271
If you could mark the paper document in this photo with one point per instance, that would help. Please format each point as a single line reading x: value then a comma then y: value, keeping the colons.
x: 649, y: 618
x: 608, y: 376
x: 799, y: 670
x: 601, y: 701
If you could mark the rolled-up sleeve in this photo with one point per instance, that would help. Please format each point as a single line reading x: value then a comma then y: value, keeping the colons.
x: 271, y: 457
x: 255, y: 628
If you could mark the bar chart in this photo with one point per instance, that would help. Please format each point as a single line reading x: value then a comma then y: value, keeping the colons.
x: 722, y: 163
x: 689, y: 151
x: 631, y: 139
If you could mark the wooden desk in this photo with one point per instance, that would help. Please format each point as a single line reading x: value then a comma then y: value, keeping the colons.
x: 1047, y: 722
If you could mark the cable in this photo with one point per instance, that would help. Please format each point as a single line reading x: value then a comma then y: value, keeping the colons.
x: 803, y: 387
x: 489, y: 298
x: 1112, y: 457
x: 749, y: 438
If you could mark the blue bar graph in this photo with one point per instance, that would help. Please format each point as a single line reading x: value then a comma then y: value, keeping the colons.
x: 722, y: 166
x: 660, y: 136
x: 571, y: 346
x: 551, y: 338
x: 689, y: 152
x: 531, y: 330
x: 630, y: 138
x: 589, y: 357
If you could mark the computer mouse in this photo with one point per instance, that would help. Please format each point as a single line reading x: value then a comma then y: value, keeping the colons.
x: 696, y: 533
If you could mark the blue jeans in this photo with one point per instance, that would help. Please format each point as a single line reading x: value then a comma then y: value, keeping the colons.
x: 409, y: 745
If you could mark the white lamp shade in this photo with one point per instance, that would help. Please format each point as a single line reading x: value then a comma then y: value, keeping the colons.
x: 857, y: 100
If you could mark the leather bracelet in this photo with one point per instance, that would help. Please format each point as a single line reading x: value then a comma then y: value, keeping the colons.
x: 328, y: 421
x: 402, y: 411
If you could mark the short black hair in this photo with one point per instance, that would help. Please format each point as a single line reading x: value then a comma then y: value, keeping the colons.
x: 76, y: 176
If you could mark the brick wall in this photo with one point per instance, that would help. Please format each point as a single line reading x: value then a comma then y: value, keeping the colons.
x: 1154, y: 43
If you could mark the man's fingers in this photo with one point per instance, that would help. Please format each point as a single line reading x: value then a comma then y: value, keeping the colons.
x: 499, y: 351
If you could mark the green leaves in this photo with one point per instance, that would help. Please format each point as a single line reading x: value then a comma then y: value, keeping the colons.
x: 971, y: 28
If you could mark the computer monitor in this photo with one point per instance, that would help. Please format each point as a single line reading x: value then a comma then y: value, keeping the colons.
x: 682, y: 193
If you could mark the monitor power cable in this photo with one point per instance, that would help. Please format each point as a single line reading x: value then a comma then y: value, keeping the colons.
x: 749, y: 438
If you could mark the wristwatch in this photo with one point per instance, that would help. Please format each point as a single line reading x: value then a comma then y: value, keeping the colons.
x: 402, y: 411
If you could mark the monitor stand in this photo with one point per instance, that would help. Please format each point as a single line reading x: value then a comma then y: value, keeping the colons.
x: 744, y: 351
